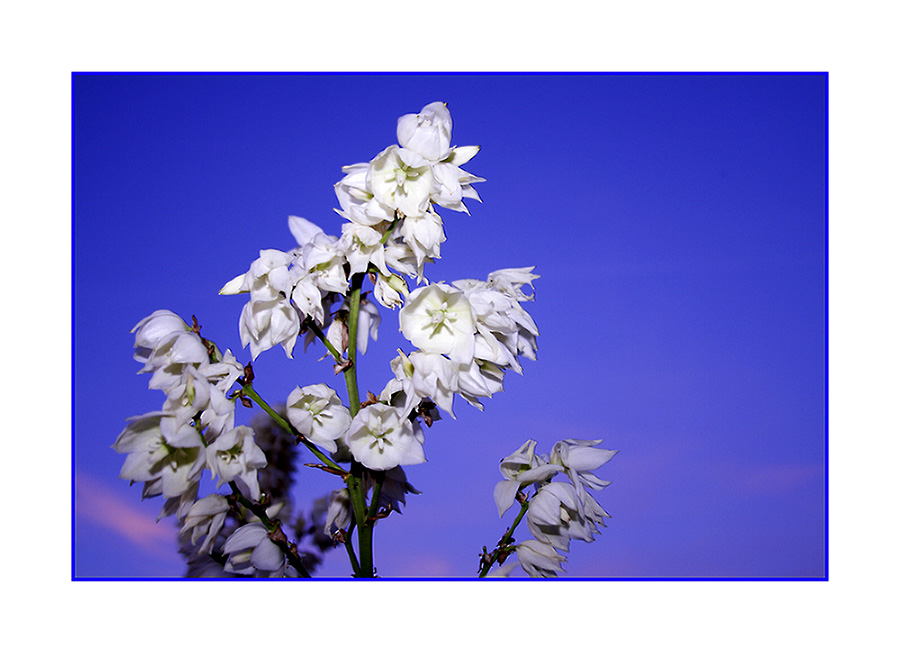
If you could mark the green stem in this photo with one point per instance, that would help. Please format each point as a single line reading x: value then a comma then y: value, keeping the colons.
x: 348, y: 544
x: 355, y: 480
x: 504, y: 541
x: 317, y: 330
x: 352, y: 327
x: 387, y: 234
x: 376, y: 494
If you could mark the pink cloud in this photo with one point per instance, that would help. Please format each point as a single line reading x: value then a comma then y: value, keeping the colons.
x: 100, y: 504
x: 770, y: 479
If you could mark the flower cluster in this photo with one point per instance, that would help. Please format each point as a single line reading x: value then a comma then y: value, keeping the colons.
x: 558, y: 511
x: 168, y: 450
x: 392, y: 230
x: 464, y: 336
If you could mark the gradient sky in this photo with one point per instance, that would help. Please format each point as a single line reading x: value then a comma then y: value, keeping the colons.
x: 678, y: 224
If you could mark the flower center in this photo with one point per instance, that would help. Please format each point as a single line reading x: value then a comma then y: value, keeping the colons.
x: 440, y: 317
x: 230, y: 455
x: 379, y: 434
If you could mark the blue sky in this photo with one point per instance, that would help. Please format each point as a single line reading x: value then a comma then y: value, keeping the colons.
x: 677, y: 222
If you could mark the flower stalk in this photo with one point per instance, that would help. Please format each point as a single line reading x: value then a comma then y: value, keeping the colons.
x: 503, y: 546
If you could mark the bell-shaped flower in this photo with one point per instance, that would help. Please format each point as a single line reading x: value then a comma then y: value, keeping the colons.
x: 402, y: 180
x: 438, y: 319
x: 340, y: 512
x: 266, y: 324
x: 205, y: 520
x: 235, y: 456
x: 427, y: 133
x: 250, y: 550
x: 165, y: 456
x: 556, y: 516
x: 180, y: 505
x: 479, y: 379
x: 367, y: 324
x: 591, y: 509
x: 218, y: 415
x: 579, y: 458
x: 187, y: 397
x: 425, y: 375
x: 323, y: 257
x: 362, y: 247
x: 171, y: 356
x: 539, y: 560
x: 510, y: 281
x: 307, y: 295
x: 424, y: 235
x: 318, y: 414
x: 399, y: 256
x: 505, y: 329
x: 381, y: 438
x: 390, y: 290
x: 521, y: 467
x: 268, y: 278
x: 153, y: 329
x: 358, y: 204
x: 452, y: 185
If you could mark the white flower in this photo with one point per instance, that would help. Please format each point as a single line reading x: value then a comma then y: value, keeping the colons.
x: 398, y: 256
x: 362, y: 246
x: 401, y: 179
x: 358, y: 204
x: 505, y: 570
x: 367, y: 324
x: 165, y: 457
x: 519, y: 468
x: 171, y: 356
x: 266, y: 324
x: 249, y: 549
x: 424, y: 235
x: 318, y: 414
x: 511, y: 280
x: 578, y: 458
x: 218, y: 416
x: 452, y: 185
x: 307, y: 296
x: 556, y: 515
x: 390, y: 290
x: 205, y: 519
x: 479, y: 379
x: 428, y: 132
x: 235, y: 456
x: 339, y: 513
x: 153, y: 329
x: 180, y: 505
x: 505, y: 329
x: 269, y: 278
x: 381, y: 438
x: 422, y: 375
x: 323, y: 257
x: 188, y: 396
x: 538, y: 559
x: 438, y: 319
